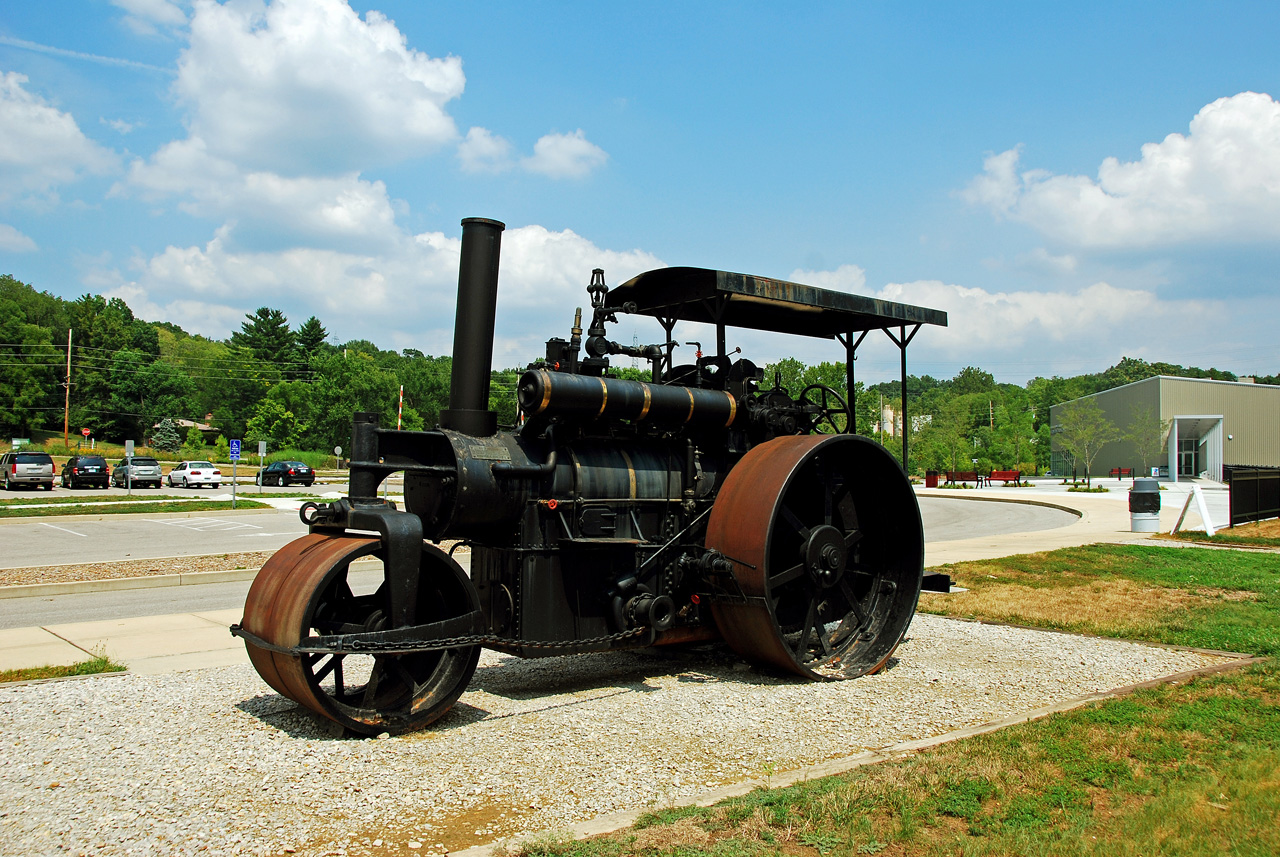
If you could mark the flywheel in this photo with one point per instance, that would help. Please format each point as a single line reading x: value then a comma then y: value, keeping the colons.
x: 827, y: 549
x: 306, y: 590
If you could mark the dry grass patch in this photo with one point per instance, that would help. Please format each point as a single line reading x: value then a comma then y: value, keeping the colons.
x: 1074, y: 604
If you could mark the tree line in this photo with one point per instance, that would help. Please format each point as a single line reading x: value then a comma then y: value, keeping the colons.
x: 295, y: 389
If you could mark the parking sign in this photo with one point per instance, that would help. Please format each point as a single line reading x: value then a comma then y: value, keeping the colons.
x: 235, y: 450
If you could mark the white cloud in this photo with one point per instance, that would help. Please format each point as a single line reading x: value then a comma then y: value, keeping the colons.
x: 484, y: 152
x: 405, y: 294
x: 13, y: 241
x: 1041, y: 259
x: 306, y: 85
x: 150, y: 17
x: 118, y: 125
x: 345, y: 207
x: 1021, y: 334
x: 41, y: 147
x: 1220, y: 182
x: 846, y: 278
x: 565, y: 156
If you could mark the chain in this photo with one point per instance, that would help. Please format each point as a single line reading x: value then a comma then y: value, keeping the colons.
x: 364, y: 647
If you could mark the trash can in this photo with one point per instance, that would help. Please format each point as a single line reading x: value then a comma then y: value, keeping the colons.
x: 1144, y: 506
x: 931, y: 479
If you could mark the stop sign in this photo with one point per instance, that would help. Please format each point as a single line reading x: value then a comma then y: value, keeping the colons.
x: 84, y: 432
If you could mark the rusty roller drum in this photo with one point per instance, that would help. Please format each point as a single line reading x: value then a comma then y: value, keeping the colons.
x: 303, y: 591
x: 827, y: 548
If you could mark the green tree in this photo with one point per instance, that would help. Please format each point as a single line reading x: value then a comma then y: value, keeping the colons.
x: 265, y: 334
x: 1083, y: 431
x: 142, y: 392
x: 279, y: 427
x: 310, y: 338
x: 1147, y: 432
x: 166, y: 437
x: 30, y: 372
x: 194, y: 445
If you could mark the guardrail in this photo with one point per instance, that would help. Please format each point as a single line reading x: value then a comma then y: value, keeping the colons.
x: 1254, y: 492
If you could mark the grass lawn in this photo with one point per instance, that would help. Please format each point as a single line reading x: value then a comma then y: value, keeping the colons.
x: 27, y: 510
x: 93, y: 666
x: 1181, y: 769
x: 1258, y: 533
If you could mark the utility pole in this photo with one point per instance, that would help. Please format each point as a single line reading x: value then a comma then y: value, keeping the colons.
x: 991, y: 411
x: 66, y: 407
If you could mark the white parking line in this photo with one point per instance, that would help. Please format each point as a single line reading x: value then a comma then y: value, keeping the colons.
x: 207, y: 524
x: 65, y: 530
x: 255, y: 535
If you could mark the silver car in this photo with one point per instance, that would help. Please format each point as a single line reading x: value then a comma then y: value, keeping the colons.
x: 139, y: 470
x: 27, y: 468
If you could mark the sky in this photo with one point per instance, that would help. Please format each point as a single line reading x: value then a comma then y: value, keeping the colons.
x: 1071, y: 183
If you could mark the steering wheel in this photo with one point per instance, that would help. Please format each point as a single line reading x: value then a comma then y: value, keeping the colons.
x: 827, y: 413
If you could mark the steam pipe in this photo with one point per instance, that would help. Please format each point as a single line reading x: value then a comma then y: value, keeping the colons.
x: 468, y: 410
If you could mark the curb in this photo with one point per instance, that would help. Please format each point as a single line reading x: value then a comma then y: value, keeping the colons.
x: 1015, y: 500
x: 99, y: 516
x: 619, y: 821
x: 142, y: 581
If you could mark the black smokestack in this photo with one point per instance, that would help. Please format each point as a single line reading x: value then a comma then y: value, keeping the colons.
x: 473, y: 330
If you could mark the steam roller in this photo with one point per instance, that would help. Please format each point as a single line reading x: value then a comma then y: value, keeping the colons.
x: 699, y: 503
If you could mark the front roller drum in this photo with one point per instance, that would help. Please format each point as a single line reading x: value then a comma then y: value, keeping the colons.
x: 304, y: 591
x: 827, y: 552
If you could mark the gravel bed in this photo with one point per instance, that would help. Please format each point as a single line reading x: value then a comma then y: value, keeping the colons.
x: 132, y: 568
x: 213, y: 761
x: 75, y: 573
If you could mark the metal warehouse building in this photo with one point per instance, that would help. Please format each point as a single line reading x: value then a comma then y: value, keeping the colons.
x: 1211, y: 423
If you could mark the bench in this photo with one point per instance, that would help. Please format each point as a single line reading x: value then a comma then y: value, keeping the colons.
x: 963, y: 476
x: 1005, y: 476
x: 1121, y: 472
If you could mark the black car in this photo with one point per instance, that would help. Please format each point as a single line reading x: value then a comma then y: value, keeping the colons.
x: 81, y: 470
x: 285, y: 473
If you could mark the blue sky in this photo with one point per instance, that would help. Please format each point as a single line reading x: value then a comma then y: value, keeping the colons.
x: 1070, y: 182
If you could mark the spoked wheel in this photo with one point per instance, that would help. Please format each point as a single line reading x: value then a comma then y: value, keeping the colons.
x: 827, y: 548
x: 304, y: 590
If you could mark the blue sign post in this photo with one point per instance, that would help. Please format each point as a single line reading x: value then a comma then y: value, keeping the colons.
x: 235, y: 458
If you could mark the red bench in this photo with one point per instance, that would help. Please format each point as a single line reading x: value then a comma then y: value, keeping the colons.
x: 1121, y: 472
x: 964, y: 476
x: 1005, y: 476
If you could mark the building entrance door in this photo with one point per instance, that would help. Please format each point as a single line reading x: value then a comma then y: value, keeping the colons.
x: 1188, y: 456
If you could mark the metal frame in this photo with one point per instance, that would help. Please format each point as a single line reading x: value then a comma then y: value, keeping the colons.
x: 723, y: 298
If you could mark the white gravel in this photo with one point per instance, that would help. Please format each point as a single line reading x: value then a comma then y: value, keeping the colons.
x: 212, y: 761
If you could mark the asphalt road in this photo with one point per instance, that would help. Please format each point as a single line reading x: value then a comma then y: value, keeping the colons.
x: 111, y: 538
x: 944, y: 520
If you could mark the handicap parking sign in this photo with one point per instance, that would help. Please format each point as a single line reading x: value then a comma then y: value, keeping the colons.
x: 235, y: 450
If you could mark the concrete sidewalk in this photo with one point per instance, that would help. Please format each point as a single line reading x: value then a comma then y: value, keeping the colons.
x: 183, y: 641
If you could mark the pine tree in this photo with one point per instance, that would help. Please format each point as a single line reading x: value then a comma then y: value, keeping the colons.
x: 166, y: 437
x: 310, y: 337
x: 266, y: 335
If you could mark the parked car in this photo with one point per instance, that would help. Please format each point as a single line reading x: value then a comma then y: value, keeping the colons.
x: 140, y: 470
x: 193, y: 474
x: 285, y: 473
x: 81, y: 470
x: 27, y: 468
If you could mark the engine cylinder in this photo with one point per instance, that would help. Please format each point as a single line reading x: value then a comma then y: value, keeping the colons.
x: 543, y: 393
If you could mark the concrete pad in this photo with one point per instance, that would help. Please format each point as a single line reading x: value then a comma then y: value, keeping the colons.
x: 130, y: 640
x: 21, y: 648
x: 222, y: 618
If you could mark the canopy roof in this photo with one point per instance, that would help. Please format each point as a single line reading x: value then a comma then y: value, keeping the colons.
x: 743, y: 300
